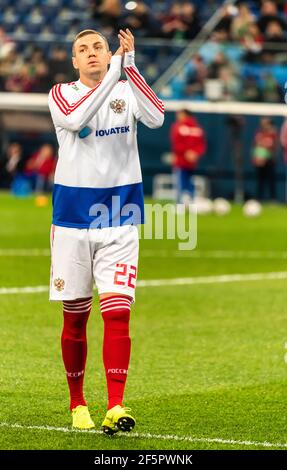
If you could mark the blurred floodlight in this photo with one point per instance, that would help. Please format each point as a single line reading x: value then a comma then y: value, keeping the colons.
x: 131, y: 5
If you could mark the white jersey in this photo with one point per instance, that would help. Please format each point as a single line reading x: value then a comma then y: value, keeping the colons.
x: 98, y: 168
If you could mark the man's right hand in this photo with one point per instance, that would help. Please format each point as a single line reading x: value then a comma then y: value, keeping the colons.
x: 120, y: 51
x: 191, y: 156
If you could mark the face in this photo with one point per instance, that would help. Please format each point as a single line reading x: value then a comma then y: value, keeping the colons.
x: 91, y: 55
x: 46, y: 150
x: 180, y: 115
x: 265, y: 123
x: 14, y: 148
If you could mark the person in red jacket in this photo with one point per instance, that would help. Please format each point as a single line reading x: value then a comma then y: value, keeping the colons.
x: 188, y: 144
x: 40, y: 167
x: 264, y: 157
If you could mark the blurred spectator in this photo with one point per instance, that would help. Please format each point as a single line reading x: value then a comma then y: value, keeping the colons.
x: 196, y: 75
x: 142, y: 21
x: 270, y: 89
x: 252, y: 42
x: 188, y: 145
x: 263, y: 157
x: 11, y: 165
x: 250, y: 90
x: 283, y: 141
x: 10, y: 65
x: 275, y: 34
x: 40, y: 168
x: 182, y: 21
x: 6, y: 44
x: 269, y: 13
x: 226, y: 20
x: 108, y: 13
x: 230, y: 84
x: 60, y: 67
x: 240, y: 24
x: 216, y: 65
x: 22, y: 81
x: 191, y: 19
x: 31, y: 76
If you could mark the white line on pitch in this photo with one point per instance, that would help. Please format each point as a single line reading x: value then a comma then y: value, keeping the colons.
x: 181, y: 281
x: 167, y: 437
x: 25, y: 252
x: 217, y: 254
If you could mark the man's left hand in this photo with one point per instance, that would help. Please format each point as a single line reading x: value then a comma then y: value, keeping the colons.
x: 127, y: 40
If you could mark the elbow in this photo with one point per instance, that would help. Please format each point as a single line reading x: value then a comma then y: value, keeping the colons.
x: 157, y: 121
x: 73, y: 124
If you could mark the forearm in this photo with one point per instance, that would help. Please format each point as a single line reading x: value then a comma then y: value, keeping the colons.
x: 150, y: 106
x: 75, y: 116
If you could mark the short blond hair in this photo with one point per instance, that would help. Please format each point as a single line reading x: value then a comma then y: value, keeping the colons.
x: 85, y: 32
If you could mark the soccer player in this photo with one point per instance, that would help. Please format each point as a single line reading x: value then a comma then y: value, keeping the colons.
x: 188, y: 145
x: 97, y: 202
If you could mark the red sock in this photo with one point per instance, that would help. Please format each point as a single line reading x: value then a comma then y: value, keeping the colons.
x: 74, y: 346
x: 117, y: 345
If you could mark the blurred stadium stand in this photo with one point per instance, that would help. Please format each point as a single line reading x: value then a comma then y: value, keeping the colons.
x: 243, y: 57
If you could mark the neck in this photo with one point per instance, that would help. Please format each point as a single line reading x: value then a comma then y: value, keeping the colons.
x: 93, y: 80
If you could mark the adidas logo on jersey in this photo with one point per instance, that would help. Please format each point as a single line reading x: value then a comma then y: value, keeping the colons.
x: 113, y: 130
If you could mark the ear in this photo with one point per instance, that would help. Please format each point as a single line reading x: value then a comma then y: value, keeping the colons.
x: 110, y: 56
x: 75, y: 64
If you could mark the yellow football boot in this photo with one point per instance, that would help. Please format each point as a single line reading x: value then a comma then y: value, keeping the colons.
x: 82, y: 418
x: 118, y: 419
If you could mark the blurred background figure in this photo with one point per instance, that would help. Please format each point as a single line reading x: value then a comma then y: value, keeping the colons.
x: 181, y: 22
x: 283, y: 142
x: 11, y: 164
x: 264, y: 158
x: 60, y: 66
x: 240, y: 56
x: 188, y: 146
x: 108, y: 13
x: 40, y: 168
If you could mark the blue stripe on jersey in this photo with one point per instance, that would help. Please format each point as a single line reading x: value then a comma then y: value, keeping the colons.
x: 98, y: 207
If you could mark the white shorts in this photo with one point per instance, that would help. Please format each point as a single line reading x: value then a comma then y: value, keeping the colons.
x: 108, y: 256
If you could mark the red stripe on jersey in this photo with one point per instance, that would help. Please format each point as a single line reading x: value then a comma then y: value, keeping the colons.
x: 58, y: 103
x: 72, y: 107
x: 148, y: 95
x: 63, y: 104
x: 145, y: 85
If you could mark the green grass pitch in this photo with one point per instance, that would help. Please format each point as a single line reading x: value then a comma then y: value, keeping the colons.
x: 208, y: 366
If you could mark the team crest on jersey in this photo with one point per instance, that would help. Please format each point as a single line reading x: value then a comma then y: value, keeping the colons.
x: 118, y: 106
x: 59, y: 284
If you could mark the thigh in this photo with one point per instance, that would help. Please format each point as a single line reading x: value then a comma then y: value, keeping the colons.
x: 116, y: 260
x: 71, y: 266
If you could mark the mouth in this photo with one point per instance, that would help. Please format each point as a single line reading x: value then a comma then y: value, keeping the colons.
x: 93, y: 62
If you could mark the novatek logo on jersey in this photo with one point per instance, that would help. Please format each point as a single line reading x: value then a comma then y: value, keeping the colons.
x: 113, y: 130
x: 117, y: 371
